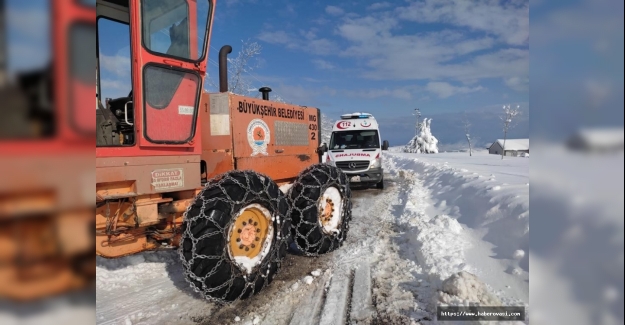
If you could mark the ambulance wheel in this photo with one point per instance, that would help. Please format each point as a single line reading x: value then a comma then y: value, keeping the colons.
x: 320, y: 209
x: 380, y: 184
x: 234, y: 236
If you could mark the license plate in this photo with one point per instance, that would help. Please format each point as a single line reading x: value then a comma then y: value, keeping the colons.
x: 355, y: 179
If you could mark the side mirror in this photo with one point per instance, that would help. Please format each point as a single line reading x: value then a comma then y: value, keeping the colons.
x: 322, y: 149
x: 385, y: 145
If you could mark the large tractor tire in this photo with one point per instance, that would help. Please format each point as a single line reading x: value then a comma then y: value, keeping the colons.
x: 321, y: 209
x: 234, y: 236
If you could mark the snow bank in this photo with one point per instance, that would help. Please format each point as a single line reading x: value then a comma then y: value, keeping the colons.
x: 465, y: 289
x: 485, y: 193
x: 464, y: 214
x: 577, y: 264
x: 435, y: 242
x: 441, y: 250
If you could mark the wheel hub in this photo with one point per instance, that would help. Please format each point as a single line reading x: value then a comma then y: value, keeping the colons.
x: 330, y: 210
x: 326, y: 214
x: 250, y: 236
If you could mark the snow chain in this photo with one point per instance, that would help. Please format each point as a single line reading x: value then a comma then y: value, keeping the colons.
x: 304, y: 202
x: 206, y: 223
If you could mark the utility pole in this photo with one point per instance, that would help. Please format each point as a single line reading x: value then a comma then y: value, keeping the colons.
x: 417, y: 113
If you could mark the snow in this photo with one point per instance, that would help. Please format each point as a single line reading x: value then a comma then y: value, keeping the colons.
x: 462, y: 224
x: 578, y: 199
x: 286, y: 187
x: 326, y: 128
x: 335, y: 309
x: 437, y: 234
x: 466, y: 289
x: 424, y: 142
x: 361, y: 294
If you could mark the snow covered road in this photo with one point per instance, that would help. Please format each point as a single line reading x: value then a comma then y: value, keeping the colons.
x: 437, y: 216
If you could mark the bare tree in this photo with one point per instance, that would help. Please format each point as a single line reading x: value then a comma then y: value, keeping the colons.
x: 239, y: 72
x: 467, y: 127
x: 508, y: 114
x: 240, y: 68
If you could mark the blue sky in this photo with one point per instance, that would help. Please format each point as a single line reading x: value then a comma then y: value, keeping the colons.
x: 411, y: 52
x: 576, y: 66
x: 27, y: 35
x: 443, y: 56
x: 386, y: 58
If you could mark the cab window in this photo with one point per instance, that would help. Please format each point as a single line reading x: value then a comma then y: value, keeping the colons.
x: 115, y: 117
x: 175, y: 28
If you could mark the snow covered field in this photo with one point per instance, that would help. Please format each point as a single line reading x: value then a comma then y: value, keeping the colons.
x: 439, y: 214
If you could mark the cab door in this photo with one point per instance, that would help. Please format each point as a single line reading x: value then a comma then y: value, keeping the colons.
x: 169, y: 47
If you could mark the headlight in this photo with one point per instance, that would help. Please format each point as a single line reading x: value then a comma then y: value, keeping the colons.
x: 329, y: 160
x: 376, y: 163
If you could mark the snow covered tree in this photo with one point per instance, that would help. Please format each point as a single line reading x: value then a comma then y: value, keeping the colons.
x: 508, y: 114
x: 467, y: 133
x: 424, y: 142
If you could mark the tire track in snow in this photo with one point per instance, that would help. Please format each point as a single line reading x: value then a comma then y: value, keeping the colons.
x: 395, y: 293
x: 372, y: 239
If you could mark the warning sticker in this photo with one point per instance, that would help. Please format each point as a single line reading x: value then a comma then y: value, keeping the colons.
x: 165, y: 179
x: 185, y: 110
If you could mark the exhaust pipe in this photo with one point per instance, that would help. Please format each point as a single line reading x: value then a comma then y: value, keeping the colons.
x: 223, y: 68
x: 265, y: 91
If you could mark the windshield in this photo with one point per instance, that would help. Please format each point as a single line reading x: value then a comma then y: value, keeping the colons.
x: 365, y: 139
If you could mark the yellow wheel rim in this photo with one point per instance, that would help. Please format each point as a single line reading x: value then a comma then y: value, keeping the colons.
x: 250, y: 236
x: 330, y: 210
x: 325, y: 214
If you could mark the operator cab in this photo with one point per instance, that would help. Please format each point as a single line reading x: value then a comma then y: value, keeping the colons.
x: 159, y: 94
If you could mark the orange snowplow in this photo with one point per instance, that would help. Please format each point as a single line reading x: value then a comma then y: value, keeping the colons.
x: 230, y: 181
x: 46, y: 155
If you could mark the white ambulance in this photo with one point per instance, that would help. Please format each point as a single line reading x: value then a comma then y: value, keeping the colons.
x: 356, y: 148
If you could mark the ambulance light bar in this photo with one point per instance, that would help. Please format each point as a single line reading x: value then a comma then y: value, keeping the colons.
x: 356, y: 116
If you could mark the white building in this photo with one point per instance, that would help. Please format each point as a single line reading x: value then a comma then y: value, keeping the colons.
x: 597, y: 140
x: 514, y: 147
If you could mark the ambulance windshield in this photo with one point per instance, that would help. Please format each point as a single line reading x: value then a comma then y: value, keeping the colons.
x: 365, y: 139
